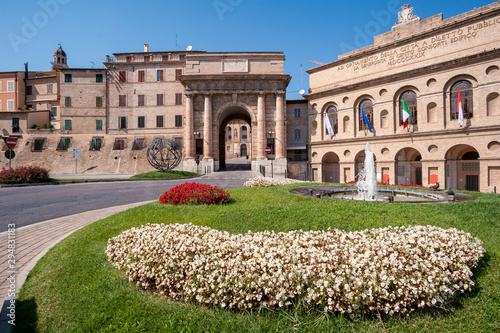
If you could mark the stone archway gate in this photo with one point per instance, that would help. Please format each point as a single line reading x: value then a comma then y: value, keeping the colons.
x: 217, y: 82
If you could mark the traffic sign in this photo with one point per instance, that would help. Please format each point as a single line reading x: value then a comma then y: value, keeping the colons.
x: 76, y: 153
x: 11, y: 142
x: 268, y: 150
x: 10, y: 154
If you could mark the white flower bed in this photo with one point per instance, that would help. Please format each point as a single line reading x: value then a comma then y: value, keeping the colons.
x: 268, y: 182
x: 393, y: 270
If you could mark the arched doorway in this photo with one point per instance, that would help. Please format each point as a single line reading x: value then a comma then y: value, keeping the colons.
x: 228, y: 142
x: 359, y: 163
x: 409, y: 166
x: 462, y: 168
x: 243, y: 150
x: 331, y: 168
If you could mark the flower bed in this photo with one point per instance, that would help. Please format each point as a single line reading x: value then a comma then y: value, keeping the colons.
x: 268, y: 182
x: 21, y: 175
x: 194, y: 193
x: 394, y: 270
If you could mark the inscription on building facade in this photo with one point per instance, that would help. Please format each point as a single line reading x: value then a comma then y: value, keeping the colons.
x: 422, y: 49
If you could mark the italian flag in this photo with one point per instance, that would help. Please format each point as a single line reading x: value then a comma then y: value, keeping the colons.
x: 406, y: 114
x: 460, y: 109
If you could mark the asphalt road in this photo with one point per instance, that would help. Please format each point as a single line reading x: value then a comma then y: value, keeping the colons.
x: 31, y: 204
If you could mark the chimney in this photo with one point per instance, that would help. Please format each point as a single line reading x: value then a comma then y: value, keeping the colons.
x: 107, y: 57
x: 146, y: 47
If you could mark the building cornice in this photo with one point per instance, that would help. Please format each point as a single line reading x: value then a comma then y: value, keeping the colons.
x: 409, y: 135
x: 445, y: 65
x: 448, y: 24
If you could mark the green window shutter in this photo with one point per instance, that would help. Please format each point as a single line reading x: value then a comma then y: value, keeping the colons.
x: 98, y: 125
x: 67, y: 124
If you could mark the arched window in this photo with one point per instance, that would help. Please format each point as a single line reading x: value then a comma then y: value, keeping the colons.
x: 367, y: 106
x: 236, y: 134
x: 244, y: 133
x: 410, y: 99
x: 331, y: 115
x: 466, y: 95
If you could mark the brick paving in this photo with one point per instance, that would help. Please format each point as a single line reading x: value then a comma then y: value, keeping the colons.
x: 33, y: 241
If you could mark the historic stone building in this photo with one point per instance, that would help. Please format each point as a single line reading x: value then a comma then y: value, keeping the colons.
x: 427, y: 64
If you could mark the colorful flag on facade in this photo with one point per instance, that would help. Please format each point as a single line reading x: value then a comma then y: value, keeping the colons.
x: 460, y: 109
x: 365, y: 119
x: 328, y: 126
x: 406, y: 114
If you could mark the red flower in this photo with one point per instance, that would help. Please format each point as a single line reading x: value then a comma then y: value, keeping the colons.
x: 194, y: 193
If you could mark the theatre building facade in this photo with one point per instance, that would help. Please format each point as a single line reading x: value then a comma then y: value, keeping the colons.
x: 431, y: 65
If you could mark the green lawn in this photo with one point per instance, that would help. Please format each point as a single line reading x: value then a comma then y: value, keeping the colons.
x: 164, y: 174
x: 74, y: 288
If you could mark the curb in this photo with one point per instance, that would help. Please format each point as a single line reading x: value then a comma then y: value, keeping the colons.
x: 81, y: 181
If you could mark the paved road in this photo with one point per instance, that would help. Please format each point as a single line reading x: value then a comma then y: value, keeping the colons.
x: 27, y: 205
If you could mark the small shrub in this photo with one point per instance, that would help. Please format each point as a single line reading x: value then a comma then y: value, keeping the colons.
x: 20, y: 175
x: 194, y: 193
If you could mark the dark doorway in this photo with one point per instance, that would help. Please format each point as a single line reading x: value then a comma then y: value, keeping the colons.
x: 472, y: 183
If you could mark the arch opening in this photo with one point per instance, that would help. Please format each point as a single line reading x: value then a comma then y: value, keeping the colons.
x: 462, y: 168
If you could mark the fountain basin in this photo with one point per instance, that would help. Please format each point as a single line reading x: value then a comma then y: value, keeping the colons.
x: 389, y: 195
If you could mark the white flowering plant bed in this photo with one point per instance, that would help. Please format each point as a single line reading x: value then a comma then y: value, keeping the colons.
x: 268, y: 182
x: 394, y: 269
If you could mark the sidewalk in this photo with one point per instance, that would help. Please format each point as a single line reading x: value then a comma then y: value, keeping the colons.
x: 33, y: 241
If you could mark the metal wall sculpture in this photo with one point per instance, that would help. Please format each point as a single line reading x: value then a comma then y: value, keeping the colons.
x: 164, y: 154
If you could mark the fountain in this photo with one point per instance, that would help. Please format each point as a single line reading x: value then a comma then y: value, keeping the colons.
x: 367, y: 180
x: 366, y: 189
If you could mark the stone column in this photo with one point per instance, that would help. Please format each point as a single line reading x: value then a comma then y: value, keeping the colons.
x: 280, y: 141
x: 261, y: 127
x: 207, y: 127
x: 188, y: 132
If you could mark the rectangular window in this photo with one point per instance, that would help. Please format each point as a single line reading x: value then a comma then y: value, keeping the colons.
x: 297, y: 113
x: 122, y: 100
x: 178, y: 99
x: 50, y: 88
x: 141, y: 76
x: 29, y: 90
x: 140, y: 100
x: 67, y: 124
x: 138, y: 144
x: 122, y: 76
x: 297, y: 134
x: 95, y: 144
x: 53, y: 111
x: 159, y: 99
x: 38, y: 144
x: 68, y: 78
x: 178, y: 121
x: 98, y: 78
x: 159, y: 121
x: 129, y: 59
x: 67, y: 102
x: 140, y: 122
x: 10, y: 86
x: 98, y: 102
x: 119, y: 144
x: 98, y: 125
x: 0, y: 85
x: 178, y: 72
x: 10, y: 105
x: 159, y: 75
x: 122, y: 122
x: 63, y: 144
x: 147, y: 58
x: 15, y: 125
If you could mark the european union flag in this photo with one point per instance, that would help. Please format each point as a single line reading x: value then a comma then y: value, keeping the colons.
x: 365, y: 119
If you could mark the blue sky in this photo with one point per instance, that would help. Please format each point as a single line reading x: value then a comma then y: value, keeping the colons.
x: 314, y: 30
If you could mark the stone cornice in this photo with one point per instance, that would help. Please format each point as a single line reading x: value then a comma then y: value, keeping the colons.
x: 449, y: 24
x: 411, y: 135
x: 449, y: 64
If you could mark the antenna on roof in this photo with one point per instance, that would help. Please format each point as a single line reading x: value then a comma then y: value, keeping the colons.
x: 189, y: 48
x: 302, y: 91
